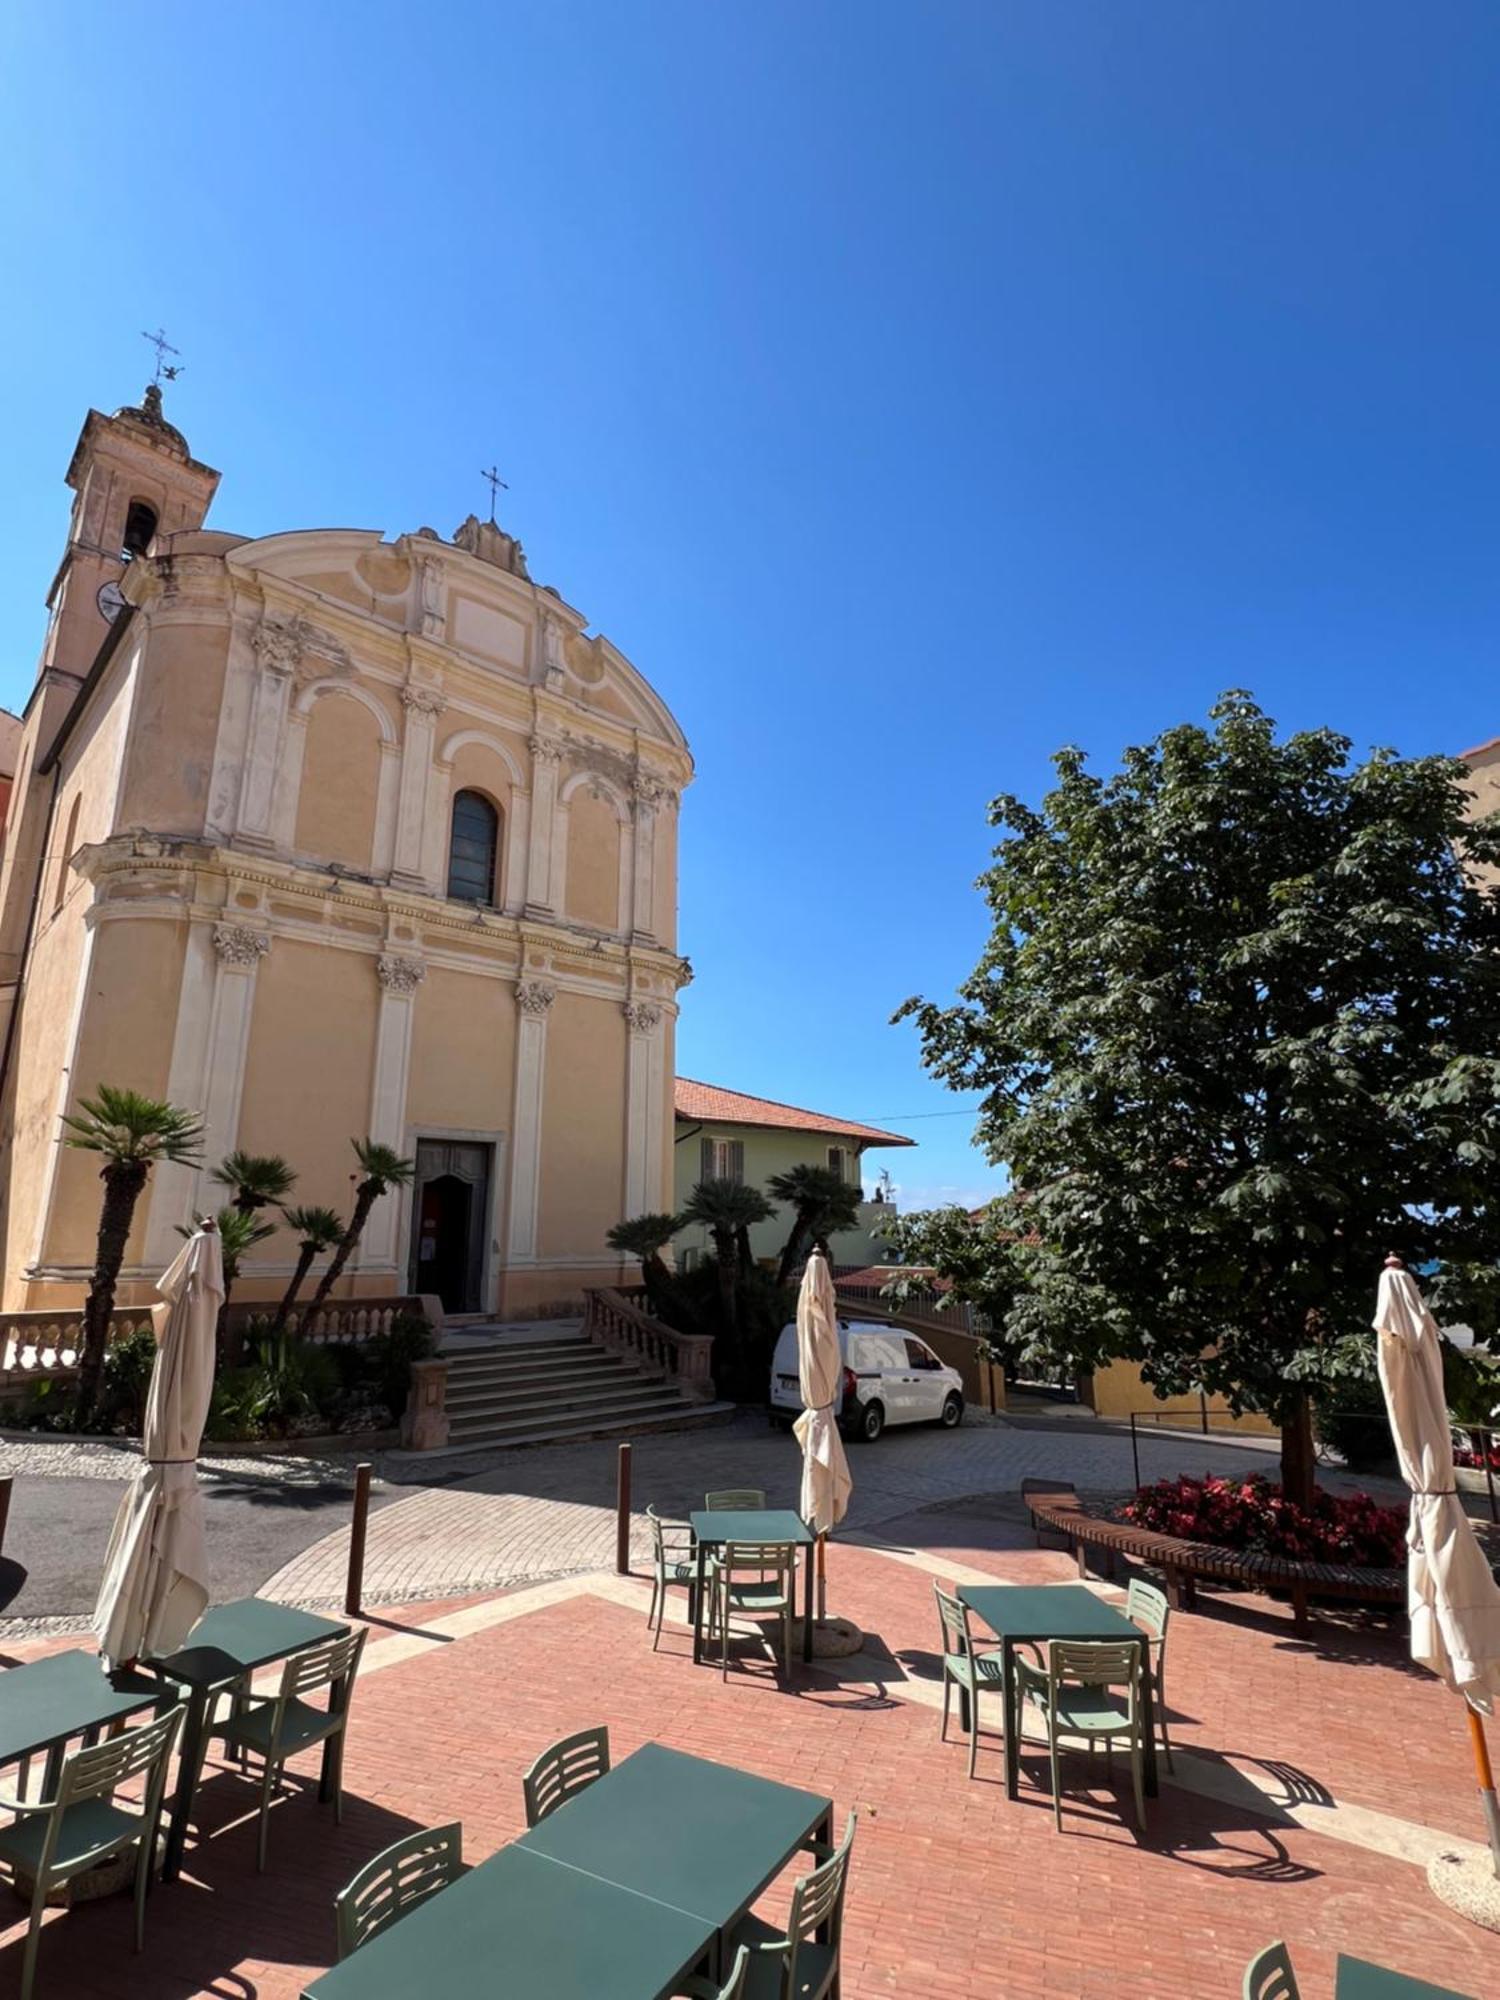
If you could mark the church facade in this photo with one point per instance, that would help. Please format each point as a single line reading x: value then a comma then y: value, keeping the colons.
x: 325, y: 836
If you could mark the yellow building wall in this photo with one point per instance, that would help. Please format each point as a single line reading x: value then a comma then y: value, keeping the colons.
x: 582, y: 1182
x: 340, y: 784
x: 308, y: 1072
x: 177, y: 700
x: 593, y: 879
x: 1118, y: 1389
x: 462, y: 1071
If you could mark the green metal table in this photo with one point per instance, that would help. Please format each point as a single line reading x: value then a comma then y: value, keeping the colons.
x: 47, y: 1703
x: 531, y: 1929
x: 764, y: 1527
x: 229, y: 1642
x: 1031, y: 1614
x: 1358, y: 1980
x: 702, y: 1837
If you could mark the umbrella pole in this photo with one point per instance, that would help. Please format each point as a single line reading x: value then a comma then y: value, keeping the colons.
x: 1486, y: 1783
x: 823, y: 1590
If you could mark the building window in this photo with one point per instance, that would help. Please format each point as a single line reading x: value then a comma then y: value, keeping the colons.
x: 472, y: 848
x: 723, y: 1160
x: 838, y: 1162
x: 140, y: 529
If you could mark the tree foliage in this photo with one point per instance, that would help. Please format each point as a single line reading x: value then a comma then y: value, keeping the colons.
x: 822, y: 1203
x: 1237, y: 1027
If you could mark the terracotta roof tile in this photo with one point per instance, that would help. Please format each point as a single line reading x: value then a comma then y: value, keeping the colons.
x: 707, y: 1104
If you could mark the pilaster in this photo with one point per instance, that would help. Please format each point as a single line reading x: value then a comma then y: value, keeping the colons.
x: 546, y: 753
x: 534, y: 998
x: 399, y: 977
x: 423, y: 706
x: 643, y: 1106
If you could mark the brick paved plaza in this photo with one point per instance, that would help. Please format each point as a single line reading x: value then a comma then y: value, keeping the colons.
x: 1314, y: 1780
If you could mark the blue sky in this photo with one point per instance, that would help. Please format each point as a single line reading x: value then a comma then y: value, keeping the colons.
x: 908, y: 390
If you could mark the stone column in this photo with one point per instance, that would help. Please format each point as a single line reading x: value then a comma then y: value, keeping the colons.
x: 534, y: 999
x: 399, y: 979
x: 277, y: 645
x: 648, y: 795
x: 423, y: 706
x: 643, y: 1107
x: 546, y: 753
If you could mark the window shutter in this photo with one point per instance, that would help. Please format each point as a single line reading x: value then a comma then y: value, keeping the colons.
x: 737, y: 1161
x: 706, y: 1161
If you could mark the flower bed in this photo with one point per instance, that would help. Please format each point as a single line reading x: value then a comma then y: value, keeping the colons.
x: 1254, y: 1514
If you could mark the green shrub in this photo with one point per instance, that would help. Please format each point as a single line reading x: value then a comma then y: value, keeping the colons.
x: 388, y: 1357
x: 128, y: 1363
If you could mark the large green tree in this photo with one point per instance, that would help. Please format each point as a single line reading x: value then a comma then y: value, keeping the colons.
x: 1237, y: 1027
x: 822, y: 1203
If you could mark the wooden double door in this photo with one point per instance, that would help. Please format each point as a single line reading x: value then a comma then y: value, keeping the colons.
x: 450, y: 1221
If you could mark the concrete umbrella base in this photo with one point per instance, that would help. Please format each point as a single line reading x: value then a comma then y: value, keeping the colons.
x: 832, y: 1638
x: 1468, y: 1884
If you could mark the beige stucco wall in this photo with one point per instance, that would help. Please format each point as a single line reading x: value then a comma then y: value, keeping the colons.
x: 463, y: 1059
x: 179, y: 690
x: 1118, y: 1389
x: 593, y: 878
x: 340, y: 783
x: 583, y: 1146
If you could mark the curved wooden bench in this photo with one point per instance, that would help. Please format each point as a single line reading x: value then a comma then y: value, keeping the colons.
x: 1054, y: 1505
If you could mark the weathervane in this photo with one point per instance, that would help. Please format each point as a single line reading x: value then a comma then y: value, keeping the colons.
x: 163, y: 348
x: 495, y: 483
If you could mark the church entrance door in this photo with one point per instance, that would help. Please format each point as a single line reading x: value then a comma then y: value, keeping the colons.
x: 449, y: 1219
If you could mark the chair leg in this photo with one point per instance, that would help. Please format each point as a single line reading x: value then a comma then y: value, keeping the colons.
x: 33, y: 1937
x: 1160, y: 1704
x: 973, y: 1728
x: 724, y: 1634
x: 268, y: 1782
x: 651, y: 1607
x: 338, y: 1779
x: 1056, y: 1780
x: 947, y: 1704
x: 1137, y: 1759
x: 786, y: 1634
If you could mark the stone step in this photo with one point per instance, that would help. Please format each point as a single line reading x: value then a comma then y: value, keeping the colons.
x: 538, y: 1377
x: 670, y: 1416
x: 583, y: 1355
x: 520, y: 1350
x: 503, y: 1409
x: 464, y: 1395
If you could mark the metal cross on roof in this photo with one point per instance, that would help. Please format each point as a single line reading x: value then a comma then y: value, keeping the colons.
x: 163, y: 348
x: 495, y: 483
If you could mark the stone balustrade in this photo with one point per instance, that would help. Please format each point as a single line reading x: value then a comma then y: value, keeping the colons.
x: 613, y: 1319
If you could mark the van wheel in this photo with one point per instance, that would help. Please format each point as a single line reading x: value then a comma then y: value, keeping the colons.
x: 871, y: 1422
x: 953, y: 1412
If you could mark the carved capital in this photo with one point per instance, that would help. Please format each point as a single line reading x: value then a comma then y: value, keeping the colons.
x: 649, y: 791
x: 545, y: 749
x: 238, y: 944
x: 422, y: 701
x: 643, y: 1015
x: 534, y: 997
x: 399, y: 975
x: 278, y: 644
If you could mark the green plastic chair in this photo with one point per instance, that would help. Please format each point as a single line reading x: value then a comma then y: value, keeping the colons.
x: 671, y: 1562
x: 767, y: 1587
x: 705, y: 1989
x: 1269, y: 1975
x: 405, y: 1874
x: 962, y: 1665
x: 1147, y: 1607
x: 794, y: 1964
x: 569, y: 1766
x: 1073, y: 1694
x: 735, y: 1500
x: 51, y: 1840
x: 274, y: 1727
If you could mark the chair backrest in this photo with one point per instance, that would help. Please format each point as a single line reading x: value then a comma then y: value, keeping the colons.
x: 668, y: 1538
x: 407, y: 1873
x: 1148, y: 1607
x: 1269, y: 1975
x: 321, y: 1665
x: 1095, y: 1663
x: 569, y: 1766
x: 817, y: 1900
x: 955, y: 1619
x: 770, y: 1560
x: 735, y: 1500
x: 104, y: 1767
x: 734, y: 1986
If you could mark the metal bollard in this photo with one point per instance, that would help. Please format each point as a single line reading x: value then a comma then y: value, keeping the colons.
x: 5, y: 1485
x: 354, y: 1589
x: 622, y: 1512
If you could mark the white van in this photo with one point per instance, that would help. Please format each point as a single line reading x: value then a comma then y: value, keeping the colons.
x: 890, y: 1377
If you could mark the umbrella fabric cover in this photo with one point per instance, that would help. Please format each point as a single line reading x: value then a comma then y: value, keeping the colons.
x: 1453, y: 1599
x: 826, y: 1484
x: 156, y: 1578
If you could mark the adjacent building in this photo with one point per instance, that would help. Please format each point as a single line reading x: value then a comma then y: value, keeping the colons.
x: 726, y: 1135
x: 324, y: 835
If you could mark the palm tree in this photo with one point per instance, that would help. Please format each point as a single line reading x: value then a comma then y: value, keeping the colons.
x: 132, y: 1133
x: 384, y: 1169
x: 258, y: 1180
x: 728, y: 1210
x: 316, y: 1230
x: 822, y: 1202
x: 239, y: 1232
x: 645, y: 1237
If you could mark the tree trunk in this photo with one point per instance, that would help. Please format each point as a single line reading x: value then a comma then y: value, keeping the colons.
x: 791, y: 1250
x: 123, y: 1181
x: 1298, y: 1453
x: 304, y: 1264
x: 364, y: 1201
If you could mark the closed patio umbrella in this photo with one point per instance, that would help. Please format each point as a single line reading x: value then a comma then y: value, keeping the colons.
x: 1452, y: 1597
x: 156, y: 1579
x: 826, y: 1484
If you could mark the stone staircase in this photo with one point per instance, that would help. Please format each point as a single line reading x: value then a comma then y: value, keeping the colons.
x: 526, y: 1386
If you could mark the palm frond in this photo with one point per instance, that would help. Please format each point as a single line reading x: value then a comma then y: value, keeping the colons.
x: 131, y: 1129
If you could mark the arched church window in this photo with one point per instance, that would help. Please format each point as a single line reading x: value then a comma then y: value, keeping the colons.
x: 473, y: 845
x: 140, y: 528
